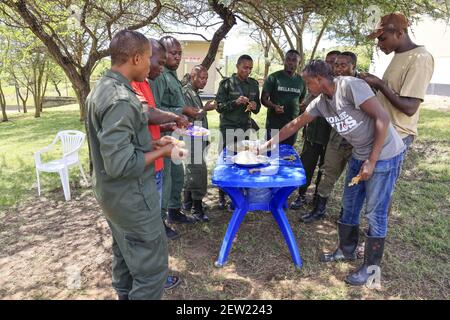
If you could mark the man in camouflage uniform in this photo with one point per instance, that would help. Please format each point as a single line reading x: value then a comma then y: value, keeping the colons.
x: 196, y: 179
x: 169, y: 96
x: 123, y: 154
x: 237, y: 97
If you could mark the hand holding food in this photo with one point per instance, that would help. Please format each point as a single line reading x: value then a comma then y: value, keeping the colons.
x: 182, y: 122
x: 279, y: 109
x: 241, y: 100
x: 210, y: 105
x: 251, y: 105
x: 355, y: 181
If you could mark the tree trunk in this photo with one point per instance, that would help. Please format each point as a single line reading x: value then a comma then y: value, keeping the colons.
x: 17, y: 96
x: 319, y: 37
x: 229, y: 20
x: 3, y: 104
x: 55, y: 84
x: 44, y: 89
x: 82, y: 92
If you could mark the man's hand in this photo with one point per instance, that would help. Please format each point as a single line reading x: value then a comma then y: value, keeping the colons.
x: 192, y: 112
x: 251, y: 105
x: 168, y: 140
x: 174, y: 152
x: 166, y: 127
x: 241, y: 100
x: 279, y: 109
x: 182, y: 122
x: 210, y: 105
x: 371, y: 80
x: 366, y: 170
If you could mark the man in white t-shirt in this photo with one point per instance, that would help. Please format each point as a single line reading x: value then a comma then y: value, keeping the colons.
x: 351, y: 108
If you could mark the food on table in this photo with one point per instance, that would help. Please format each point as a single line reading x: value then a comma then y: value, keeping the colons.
x: 246, y: 157
x: 290, y: 158
x: 355, y: 180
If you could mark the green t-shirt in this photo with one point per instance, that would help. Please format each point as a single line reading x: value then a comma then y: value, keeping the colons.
x: 285, y: 91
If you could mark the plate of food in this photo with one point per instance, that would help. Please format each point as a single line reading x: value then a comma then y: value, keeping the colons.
x: 194, y: 131
x: 245, y: 145
x: 249, y: 159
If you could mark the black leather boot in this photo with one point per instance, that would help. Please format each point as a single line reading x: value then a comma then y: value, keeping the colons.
x: 170, y: 233
x: 373, y: 252
x: 175, y: 216
x: 319, y: 211
x: 222, y: 202
x: 198, y: 211
x: 299, y: 202
x: 348, y: 241
x: 187, y: 201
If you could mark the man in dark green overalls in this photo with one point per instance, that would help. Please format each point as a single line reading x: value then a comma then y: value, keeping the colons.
x: 196, y: 178
x: 237, y: 97
x: 169, y: 96
x: 123, y: 154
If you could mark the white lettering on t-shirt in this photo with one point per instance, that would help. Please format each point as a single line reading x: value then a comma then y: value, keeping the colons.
x: 286, y: 89
x: 343, y: 123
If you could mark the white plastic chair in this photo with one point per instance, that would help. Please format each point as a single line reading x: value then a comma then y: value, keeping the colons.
x: 71, y: 141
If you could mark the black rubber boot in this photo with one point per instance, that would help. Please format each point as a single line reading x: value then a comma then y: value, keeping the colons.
x: 175, y: 216
x: 198, y: 211
x: 373, y: 252
x: 222, y: 202
x: 348, y: 241
x: 170, y: 233
x: 299, y: 202
x: 187, y: 201
x: 319, y: 211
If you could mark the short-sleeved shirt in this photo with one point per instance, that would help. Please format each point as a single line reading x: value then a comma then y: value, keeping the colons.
x: 287, y: 91
x: 408, y: 75
x: 145, y: 94
x: 343, y: 113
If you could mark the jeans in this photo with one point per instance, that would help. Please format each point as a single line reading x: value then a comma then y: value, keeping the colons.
x: 377, y: 191
x: 159, y: 185
x: 408, y: 141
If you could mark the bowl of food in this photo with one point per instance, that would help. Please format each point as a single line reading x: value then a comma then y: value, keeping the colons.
x: 249, y: 159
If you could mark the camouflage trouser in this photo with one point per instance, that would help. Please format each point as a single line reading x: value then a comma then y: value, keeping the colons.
x: 311, y: 156
x: 336, y: 158
x: 140, y: 260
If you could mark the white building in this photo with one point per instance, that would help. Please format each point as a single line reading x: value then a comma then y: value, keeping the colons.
x: 435, y: 36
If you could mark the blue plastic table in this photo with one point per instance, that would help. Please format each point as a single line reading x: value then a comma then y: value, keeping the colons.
x: 281, y: 176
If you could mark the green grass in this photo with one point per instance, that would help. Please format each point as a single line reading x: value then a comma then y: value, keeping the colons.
x: 20, y: 138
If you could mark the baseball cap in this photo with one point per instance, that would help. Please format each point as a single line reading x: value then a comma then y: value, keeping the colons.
x: 392, y: 21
